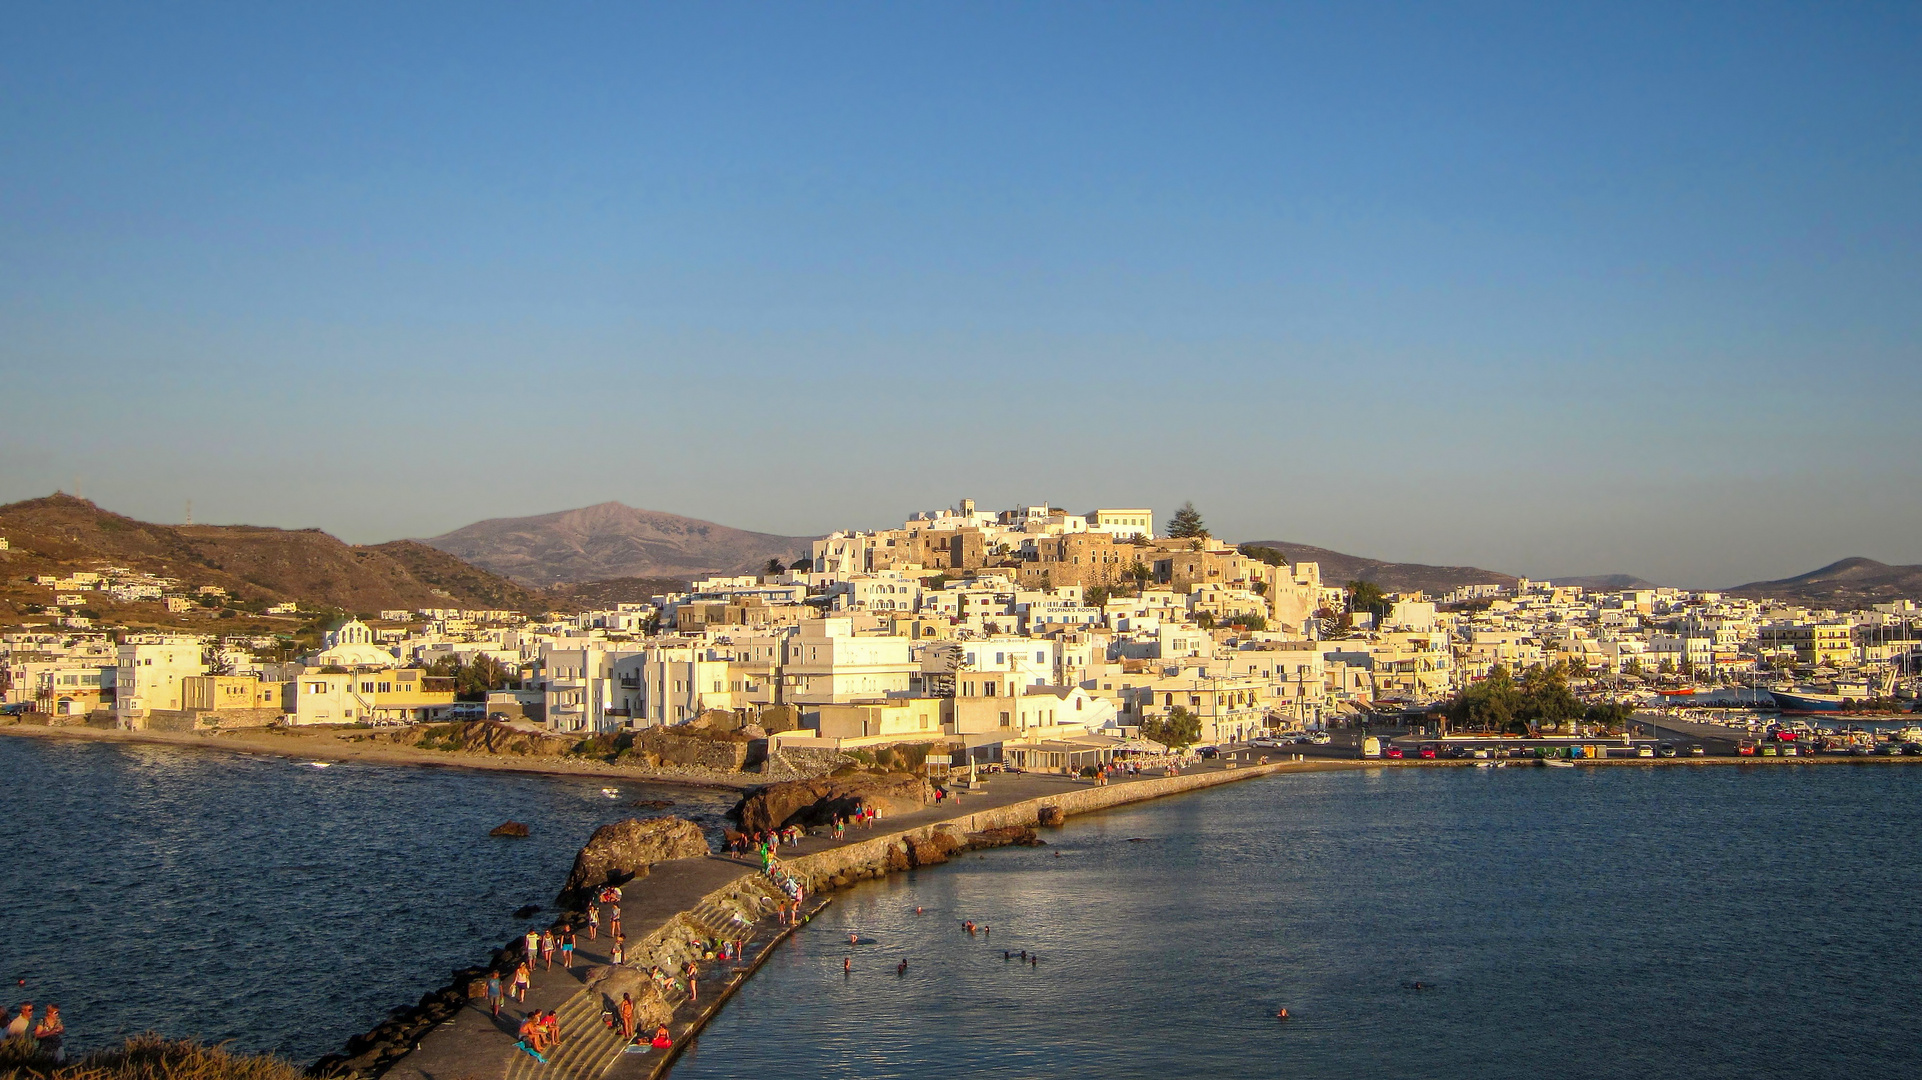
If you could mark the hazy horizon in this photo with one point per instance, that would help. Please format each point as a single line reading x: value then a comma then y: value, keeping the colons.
x: 1580, y: 290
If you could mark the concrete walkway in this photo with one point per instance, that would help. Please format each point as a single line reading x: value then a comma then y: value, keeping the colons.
x: 475, y: 1046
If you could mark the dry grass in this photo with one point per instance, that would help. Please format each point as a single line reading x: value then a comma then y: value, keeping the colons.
x: 145, y: 1057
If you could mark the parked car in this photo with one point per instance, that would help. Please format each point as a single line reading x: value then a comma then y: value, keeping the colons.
x: 1321, y: 738
x: 1209, y: 751
x: 1912, y: 749
x: 1392, y: 752
x: 1697, y: 751
x: 1664, y: 749
x: 1645, y: 750
x: 1428, y: 751
x: 1266, y: 740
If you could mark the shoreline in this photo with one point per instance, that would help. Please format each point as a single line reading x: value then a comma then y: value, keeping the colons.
x: 325, y: 746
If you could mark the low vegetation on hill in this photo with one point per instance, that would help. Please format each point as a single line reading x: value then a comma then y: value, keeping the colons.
x: 143, y: 1057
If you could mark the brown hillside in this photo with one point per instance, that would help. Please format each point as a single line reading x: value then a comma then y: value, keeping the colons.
x: 1848, y: 583
x: 1338, y: 569
x: 256, y: 564
x: 610, y: 540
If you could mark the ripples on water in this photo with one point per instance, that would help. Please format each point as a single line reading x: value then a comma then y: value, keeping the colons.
x: 265, y: 901
x: 1616, y: 922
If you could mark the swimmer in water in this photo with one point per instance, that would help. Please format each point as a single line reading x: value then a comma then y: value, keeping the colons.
x: 847, y: 965
x: 917, y: 911
x: 854, y: 939
x: 902, y: 969
x: 1281, y: 1014
x: 1006, y: 955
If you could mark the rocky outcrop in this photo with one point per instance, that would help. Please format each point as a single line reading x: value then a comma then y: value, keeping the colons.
x: 1005, y: 836
x: 508, y: 828
x: 479, y: 737
x: 1052, y: 816
x: 624, y: 850
x: 650, y: 1007
x: 698, y: 748
x: 814, y: 802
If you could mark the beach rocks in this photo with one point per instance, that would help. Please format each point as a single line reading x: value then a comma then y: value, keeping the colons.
x: 813, y: 802
x: 932, y: 851
x: 1052, y: 816
x: 692, y: 747
x: 651, y: 804
x: 610, y: 981
x: 1005, y: 836
x: 508, y: 828
x: 624, y: 850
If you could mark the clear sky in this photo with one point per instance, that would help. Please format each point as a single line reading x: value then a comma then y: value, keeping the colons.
x: 1547, y: 288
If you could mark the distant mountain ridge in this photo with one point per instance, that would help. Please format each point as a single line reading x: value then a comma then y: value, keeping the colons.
x: 1338, y: 568
x: 1850, y: 582
x: 61, y: 533
x: 611, y: 540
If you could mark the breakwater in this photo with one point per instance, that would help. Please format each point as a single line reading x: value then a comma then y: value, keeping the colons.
x: 674, y: 914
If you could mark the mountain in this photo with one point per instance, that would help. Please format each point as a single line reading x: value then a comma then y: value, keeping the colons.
x: 1606, y: 582
x: 61, y: 533
x: 610, y: 540
x: 1337, y: 568
x: 1854, y: 582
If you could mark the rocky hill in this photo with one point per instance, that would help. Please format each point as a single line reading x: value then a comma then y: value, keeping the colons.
x: 1338, y: 568
x: 1849, y: 583
x: 256, y: 565
x: 610, y: 540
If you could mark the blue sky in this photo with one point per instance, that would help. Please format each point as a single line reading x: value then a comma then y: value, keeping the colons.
x: 1553, y: 289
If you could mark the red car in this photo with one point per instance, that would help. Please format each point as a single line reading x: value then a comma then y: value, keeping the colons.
x: 1427, y: 751
x: 1393, y: 751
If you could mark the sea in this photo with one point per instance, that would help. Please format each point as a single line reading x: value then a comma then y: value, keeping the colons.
x: 1654, y: 920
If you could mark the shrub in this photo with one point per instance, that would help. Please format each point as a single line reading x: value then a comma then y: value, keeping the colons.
x: 144, y: 1057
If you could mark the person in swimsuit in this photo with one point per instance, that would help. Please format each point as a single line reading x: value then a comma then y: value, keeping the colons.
x: 523, y: 978
x: 593, y: 921
x: 567, y: 948
x: 626, y: 1009
x: 661, y: 1040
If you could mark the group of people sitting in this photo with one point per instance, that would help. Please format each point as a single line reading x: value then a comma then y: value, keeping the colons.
x: 540, y: 1031
x: 47, y: 1030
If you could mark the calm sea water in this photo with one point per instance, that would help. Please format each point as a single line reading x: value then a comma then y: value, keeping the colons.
x: 1738, y: 921
x: 257, y: 899
x: 1620, y: 922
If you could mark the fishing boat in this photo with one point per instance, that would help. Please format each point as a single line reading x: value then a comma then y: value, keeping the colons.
x: 1558, y: 763
x: 1807, y: 701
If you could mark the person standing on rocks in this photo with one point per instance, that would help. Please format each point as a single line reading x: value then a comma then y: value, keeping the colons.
x: 50, y: 1031
x: 626, y: 1009
x: 618, y: 955
x: 547, y: 950
x: 533, y: 947
x: 523, y: 978
x: 495, y: 992
x: 593, y: 921
x: 567, y: 948
x: 614, y: 919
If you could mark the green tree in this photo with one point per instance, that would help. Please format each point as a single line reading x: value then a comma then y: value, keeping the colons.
x: 1266, y: 554
x: 1179, y: 729
x: 1139, y: 571
x: 1095, y: 595
x: 1187, y: 523
x: 774, y: 567
x: 804, y: 565
x: 1205, y: 620
x: 1492, y: 704
x: 1609, y: 716
x: 1546, y: 701
x: 1364, y: 595
x: 1251, y: 622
